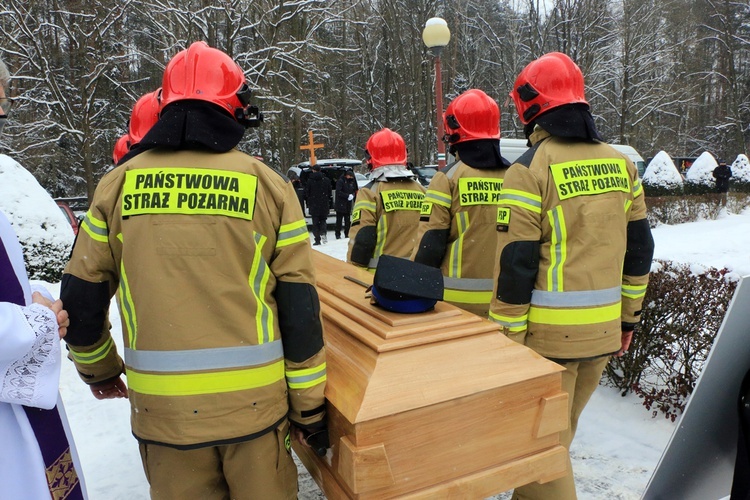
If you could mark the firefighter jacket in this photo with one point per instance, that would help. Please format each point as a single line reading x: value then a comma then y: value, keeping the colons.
x: 574, y: 248
x: 210, y: 258
x: 458, y: 232
x: 385, y: 219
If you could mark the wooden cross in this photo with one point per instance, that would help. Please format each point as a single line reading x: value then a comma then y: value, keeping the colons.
x: 312, y: 147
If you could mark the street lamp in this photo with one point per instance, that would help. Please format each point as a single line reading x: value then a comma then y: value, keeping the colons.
x: 436, y: 35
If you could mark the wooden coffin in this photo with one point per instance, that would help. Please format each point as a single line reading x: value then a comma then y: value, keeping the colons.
x: 432, y: 405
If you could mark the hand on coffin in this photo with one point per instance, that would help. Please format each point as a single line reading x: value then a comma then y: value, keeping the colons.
x: 317, y: 440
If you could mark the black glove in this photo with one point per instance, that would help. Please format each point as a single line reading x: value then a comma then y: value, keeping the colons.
x: 317, y: 440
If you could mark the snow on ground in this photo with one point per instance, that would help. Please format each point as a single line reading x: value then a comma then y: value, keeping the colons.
x: 618, y: 443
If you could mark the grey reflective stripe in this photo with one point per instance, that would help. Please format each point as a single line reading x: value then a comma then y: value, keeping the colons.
x: 293, y: 233
x: 437, y: 197
x: 382, y: 231
x: 100, y: 231
x: 509, y: 324
x: 576, y: 299
x: 258, y: 287
x: 468, y: 284
x: 306, y: 378
x: 558, y: 245
x: 462, y: 223
x: 204, y: 359
x: 523, y: 199
x: 636, y: 185
x: 127, y: 307
x: 373, y: 263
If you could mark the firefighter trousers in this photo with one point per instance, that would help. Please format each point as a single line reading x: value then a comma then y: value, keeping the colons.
x: 261, y: 468
x: 580, y: 379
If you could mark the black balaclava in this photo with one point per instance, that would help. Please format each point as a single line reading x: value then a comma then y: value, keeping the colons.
x: 570, y: 120
x: 191, y: 125
x: 482, y: 153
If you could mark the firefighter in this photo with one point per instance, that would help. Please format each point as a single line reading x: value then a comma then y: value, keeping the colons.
x: 121, y: 148
x: 144, y: 115
x: 574, y: 245
x: 459, y: 211
x: 207, y: 249
x: 385, y: 217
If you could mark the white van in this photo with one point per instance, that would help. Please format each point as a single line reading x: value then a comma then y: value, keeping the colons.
x: 512, y: 149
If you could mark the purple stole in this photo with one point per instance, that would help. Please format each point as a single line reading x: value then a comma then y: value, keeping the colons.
x: 47, y: 425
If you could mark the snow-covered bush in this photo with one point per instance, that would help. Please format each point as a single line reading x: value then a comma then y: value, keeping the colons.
x: 682, y: 312
x: 661, y: 177
x: 740, y: 180
x: 44, y: 233
x: 699, y: 178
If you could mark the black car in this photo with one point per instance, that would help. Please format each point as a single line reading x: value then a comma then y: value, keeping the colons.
x: 424, y: 174
x: 332, y: 168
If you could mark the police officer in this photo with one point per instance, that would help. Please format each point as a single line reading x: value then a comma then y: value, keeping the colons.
x: 574, y: 245
x: 207, y: 249
x: 385, y: 217
x: 460, y: 207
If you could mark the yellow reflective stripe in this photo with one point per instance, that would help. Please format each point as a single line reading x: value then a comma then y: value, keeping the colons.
x: 628, y: 203
x: 558, y: 250
x: 87, y: 358
x: 455, y: 254
x: 365, y: 205
x: 401, y: 199
x: 192, y: 191
x: 634, y: 291
x: 637, y: 188
x: 95, y: 228
x: 127, y: 306
x: 572, y: 317
x: 292, y: 233
x: 382, y: 228
x: 437, y: 197
x: 306, y: 378
x: 190, y: 384
x: 522, y: 199
x: 467, y: 297
x: 258, y: 281
x: 512, y: 323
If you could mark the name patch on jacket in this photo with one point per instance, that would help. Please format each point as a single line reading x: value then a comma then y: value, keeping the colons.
x: 401, y: 200
x: 478, y: 191
x: 588, y: 177
x: 191, y: 191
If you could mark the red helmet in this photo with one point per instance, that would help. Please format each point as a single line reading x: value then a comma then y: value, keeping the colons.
x: 470, y: 116
x: 207, y: 74
x: 546, y: 83
x: 145, y: 114
x: 385, y: 147
x: 122, y: 146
